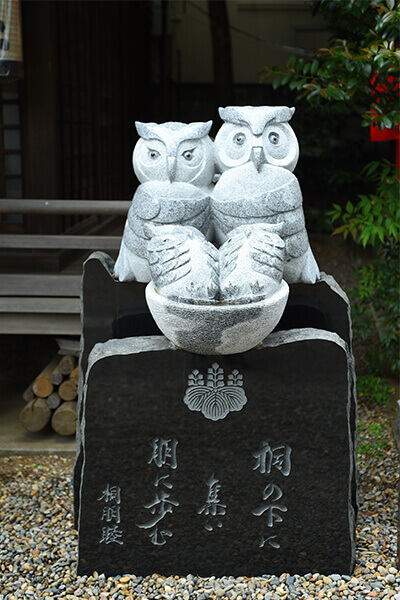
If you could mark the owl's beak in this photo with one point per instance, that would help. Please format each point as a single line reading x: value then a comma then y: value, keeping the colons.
x: 171, y: 168
x: 257, y: 156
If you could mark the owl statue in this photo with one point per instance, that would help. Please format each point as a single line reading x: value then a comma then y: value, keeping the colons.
x: 256, y: 151
x: 251, y: 263
x: 183, y: 264
x: 174, y: 163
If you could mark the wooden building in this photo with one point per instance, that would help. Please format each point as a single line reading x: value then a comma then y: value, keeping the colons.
x: 68, y: 125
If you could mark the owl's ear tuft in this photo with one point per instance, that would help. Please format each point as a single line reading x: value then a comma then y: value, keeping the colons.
x: 291, y: 110
x: 232, y: 114
x: 146, y: 130
x: 207, y: 127
x: 140, y: 128
x: 199, y: 129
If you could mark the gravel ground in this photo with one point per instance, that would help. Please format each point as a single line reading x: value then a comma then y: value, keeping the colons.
x: 38, y: 545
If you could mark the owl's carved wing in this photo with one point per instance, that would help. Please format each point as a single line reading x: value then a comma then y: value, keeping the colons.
x: 251, y: 263
x: 267, y: 253
x: 169, y: 259
x: 183, y: 264
x: 228, y: 254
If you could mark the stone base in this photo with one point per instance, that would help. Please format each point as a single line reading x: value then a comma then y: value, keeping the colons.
x: 224, y: 465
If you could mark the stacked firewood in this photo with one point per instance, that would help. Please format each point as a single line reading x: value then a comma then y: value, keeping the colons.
x: 52, y: 398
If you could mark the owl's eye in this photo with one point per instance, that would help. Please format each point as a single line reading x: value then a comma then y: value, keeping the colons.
x: 273, y: 137
x: 188, y: 154
x: 153, y: 154
x: 239, y: 139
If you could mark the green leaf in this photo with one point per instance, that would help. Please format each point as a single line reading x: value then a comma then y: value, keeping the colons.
x: 342, y: 229
x: 337, y: 94
x: 365, y: 237
x: 276, y: 82
x: 388, y: 17
x: 367, y: 69
x: 387, y: 122
x: 314, y: 67
x: 301, y: 83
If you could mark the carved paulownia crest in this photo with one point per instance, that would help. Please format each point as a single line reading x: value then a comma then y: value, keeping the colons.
x: 213, y: 398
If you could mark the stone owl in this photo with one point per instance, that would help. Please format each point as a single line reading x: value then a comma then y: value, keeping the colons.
x: 256, y: 150
x: 251, y: 263
x: 175, y: 164
x: 184, y: 265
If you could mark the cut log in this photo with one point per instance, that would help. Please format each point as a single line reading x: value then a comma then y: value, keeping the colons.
x: 35, y: 415
x: 74, y: 376
x: 56, y: 377
x: 64, y: 418
x: 28, y: 394
x: 67, y: 364
x: 68, y: 390
x: 42, y: 387
x: 53, y: 401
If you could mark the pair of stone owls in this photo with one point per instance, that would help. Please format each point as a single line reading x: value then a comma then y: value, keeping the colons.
x: 254, y: 210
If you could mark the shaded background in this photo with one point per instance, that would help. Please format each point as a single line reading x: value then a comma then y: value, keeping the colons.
x: 94, y: 67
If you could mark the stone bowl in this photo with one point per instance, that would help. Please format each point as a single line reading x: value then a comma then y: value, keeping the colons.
x: 216, y: 328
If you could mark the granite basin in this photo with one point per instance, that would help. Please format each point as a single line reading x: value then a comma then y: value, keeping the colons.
x: 217, y: 328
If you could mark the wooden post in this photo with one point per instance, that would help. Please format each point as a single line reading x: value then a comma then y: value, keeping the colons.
x: 74, y: 376
x: 68, y: 390
x: 64, y: 418
x: 35, y: 415
x: 67, y: 364
x: 53, y: 401
x: 42, y: 387
x: 29, y: 393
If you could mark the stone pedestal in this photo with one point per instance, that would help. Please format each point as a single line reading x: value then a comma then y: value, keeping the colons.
x: 215, y: 465
x: 230, y: 465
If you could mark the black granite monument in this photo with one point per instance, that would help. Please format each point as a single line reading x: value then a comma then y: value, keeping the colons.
x: 215, y: 465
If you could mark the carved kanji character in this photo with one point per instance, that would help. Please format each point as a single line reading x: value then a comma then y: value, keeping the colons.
x: 111, y: 534
x: 164, y: 452
x: 273, y: 493
x: 278, y: 457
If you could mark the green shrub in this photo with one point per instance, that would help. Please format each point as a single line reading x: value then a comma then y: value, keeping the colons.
x: 376, y: 305
x: 373, y: 388
x: 376, y: 217
x: 373, y: 440
x: 351, y: 71
x: 358, y: 75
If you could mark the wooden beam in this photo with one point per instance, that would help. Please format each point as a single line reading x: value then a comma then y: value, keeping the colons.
x: 65, y: 207
x: 74, y: 242
x: 37, y: 285
x: 40, y: 323
x: 40, y: 305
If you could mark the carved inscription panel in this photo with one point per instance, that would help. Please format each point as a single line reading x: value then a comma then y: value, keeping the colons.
x: 218, y: 465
